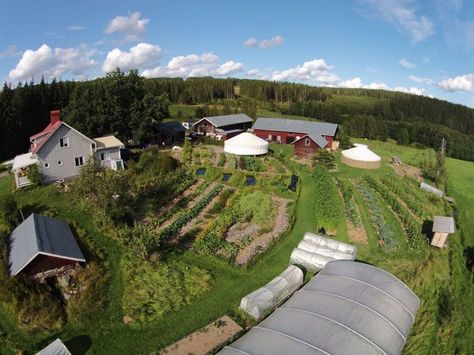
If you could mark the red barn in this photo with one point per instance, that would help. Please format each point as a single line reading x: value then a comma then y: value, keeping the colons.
x: 307, y: 136
x: 223, y: 127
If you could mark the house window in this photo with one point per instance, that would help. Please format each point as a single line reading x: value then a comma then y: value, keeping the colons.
x: 46, y: 165
x: 93, y: 146
x: 105, y: 156
x: 64, y: 142
x: 79, y: 161
x: 60, y: 162
x: 307, y: 142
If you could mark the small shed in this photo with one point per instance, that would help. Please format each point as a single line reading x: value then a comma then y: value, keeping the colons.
x: 41, y: 244
x: 167, y: 133
x: 426, y: 187
x: 442, y: 227
x: 55, y: 348
x: 396, y: 160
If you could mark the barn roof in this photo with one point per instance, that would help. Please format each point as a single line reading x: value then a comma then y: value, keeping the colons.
x: 41, y: 235
x: 55, y: 348
x: 227, y: 120
x: 443, y: 224
x: 347, y: 308
x: 169, y: 127
x: 316, y: 130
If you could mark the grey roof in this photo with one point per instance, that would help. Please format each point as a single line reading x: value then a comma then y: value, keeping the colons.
x: 55, y: 348
x: 227, y: 120
x: 315, y: 130
x: 443, y: 224
x: 170, y: 127
x: 348, y: 308
x: 432, y: 189
x: 41, y: 235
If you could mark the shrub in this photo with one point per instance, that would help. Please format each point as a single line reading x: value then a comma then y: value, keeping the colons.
x: 324, y: 157
x: 34, y: 175
x: 9, y: 211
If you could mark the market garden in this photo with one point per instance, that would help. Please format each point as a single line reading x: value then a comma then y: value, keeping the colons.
x: 179, y: 237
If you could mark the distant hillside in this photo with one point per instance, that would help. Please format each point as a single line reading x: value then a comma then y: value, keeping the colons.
x: 116, y: 105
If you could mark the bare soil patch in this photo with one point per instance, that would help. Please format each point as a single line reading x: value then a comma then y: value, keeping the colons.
x: 262, y: 242
x: 356, y: 234
x: 206, y: 339
x: 239, y: 230
x: 408, y: 170
x: 190, y: 190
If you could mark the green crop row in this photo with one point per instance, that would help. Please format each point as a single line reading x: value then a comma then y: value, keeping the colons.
x: 328, y: 205
x: 402, y: 191
x: 347, y: 192
x: 416, y: 240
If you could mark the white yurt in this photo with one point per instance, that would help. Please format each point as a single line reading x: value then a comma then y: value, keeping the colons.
x: 360, y: 156
x: 246, y: 144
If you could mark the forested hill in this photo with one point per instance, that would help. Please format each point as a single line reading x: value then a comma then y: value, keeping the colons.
x: 126, y: 105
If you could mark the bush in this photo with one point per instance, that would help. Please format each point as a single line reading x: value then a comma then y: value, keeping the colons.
x: 324, y: 157
x: 34, y: 175
x: 9, y: 211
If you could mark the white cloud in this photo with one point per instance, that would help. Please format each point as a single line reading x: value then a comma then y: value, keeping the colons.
x: 186, y: 66
x: 402, y: 15
x: 351, y: 83
x: 53, y: 63
x: 406, y: 64
x: 266, y: 43
x: 141, y: 56
x: 459, y: 83
x: 132, y: 26
x: 376, y: 86
x: 10, y: 51
x: 316, y: 69
x: 251, y: 42
x: 411, y: 90
x: 421, y: 80
x: 229, y: 67
x: 77, y: 28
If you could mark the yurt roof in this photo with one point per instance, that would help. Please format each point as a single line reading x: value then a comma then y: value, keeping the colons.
x: 362, y: 153
x: 246, y: 144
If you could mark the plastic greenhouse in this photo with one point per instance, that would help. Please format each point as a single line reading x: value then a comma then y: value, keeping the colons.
x: 325, y: 242
x: 264, y: 300
x: 348, y: 308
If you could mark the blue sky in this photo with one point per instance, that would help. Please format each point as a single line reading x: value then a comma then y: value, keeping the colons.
x: 422, y: 47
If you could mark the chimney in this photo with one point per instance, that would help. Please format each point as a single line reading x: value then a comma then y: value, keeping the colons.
x: 55, y: 117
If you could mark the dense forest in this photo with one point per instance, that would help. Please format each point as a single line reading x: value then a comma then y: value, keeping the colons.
x: 127, y: 105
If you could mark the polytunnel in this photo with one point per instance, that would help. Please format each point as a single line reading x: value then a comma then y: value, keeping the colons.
x: 262, y: 301
x: 325, y: 242
x: 348, y: 308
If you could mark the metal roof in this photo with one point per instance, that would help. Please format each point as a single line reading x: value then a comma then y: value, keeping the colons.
x: 443, y: 224
x: 313, y: 129
x: 347, y: 308
x: 432, y: 189
x: 55, y: 348
x: 169, y: 126
x: 108, y: 142
x: 227, y: 120
x: 41, y: 235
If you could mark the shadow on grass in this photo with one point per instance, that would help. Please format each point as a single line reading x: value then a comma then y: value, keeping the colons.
x: 79, y: 345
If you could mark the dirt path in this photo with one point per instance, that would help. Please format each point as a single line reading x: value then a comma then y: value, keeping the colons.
x: 190, y: 205
x: 263, y: 241
x: 206, y: 339
x: 356, y: 234
x: 408, y: 170
x: 194, y: 222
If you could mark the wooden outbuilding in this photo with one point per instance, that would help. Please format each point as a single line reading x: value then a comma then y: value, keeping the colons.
x: 442, y: 228
x: 40, y: 244
x: 223, y: 127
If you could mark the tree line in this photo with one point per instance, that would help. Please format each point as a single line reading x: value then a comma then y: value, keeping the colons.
x: 128, y: 105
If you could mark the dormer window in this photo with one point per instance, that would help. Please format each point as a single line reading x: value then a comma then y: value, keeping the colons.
x: 64, y: 142
x: 307, y: 142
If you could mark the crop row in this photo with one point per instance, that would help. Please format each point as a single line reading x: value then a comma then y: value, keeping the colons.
x: 189, y: 214
x: 382, y: 228
x: 347, y: 192
x: 402, y: 191
x: 328, y: 205
x: 412, y: 227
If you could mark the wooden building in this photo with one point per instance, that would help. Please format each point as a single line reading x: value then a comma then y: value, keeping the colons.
x: 223, y: 127
x: 442, y: 228
x: 40, y: 244
x: 306, y: 136
x: 167, y: 133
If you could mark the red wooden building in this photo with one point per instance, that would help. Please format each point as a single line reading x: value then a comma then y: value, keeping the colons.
x: 41, y: 244
x: 306, y: 136
x: 223, y: 127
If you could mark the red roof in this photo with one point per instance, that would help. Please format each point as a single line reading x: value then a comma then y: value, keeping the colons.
x: 47, y: 132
